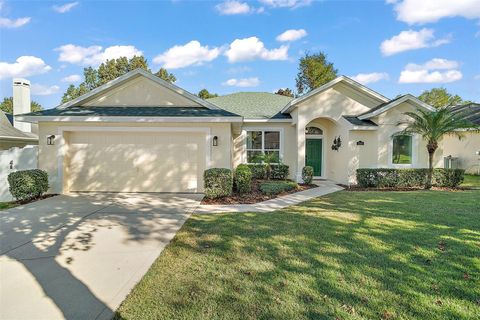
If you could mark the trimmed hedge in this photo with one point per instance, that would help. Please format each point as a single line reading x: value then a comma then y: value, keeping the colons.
x: 276, y: 187
x: 28, y: 184
x: 279, y: 171
x: 218, y: 182
x: 242, y: 178
x: 408, y: 178
x: 307, y: 174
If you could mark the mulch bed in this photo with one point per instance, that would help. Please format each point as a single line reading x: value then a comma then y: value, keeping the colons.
x: 45, y: 196
x: 357, y: 188
x: 255, y: 195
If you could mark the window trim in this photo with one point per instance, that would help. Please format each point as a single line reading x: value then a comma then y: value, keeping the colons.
x: 263, y: 130
x: 414, y: 151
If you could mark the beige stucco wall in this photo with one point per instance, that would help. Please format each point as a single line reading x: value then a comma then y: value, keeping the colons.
x: 288, y: 143
x: 140, y: 92
x: 49, y: 159
x: 464, y: 149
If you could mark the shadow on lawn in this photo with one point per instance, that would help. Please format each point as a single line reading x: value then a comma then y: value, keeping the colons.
x: 355, y: 253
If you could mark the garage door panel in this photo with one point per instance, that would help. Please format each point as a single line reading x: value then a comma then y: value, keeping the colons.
x: 136, y: 162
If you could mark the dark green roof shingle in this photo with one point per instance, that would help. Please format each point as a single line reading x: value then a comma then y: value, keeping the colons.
x: 254, y: 105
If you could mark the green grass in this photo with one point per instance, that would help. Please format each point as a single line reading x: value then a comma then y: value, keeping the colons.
x: 7, y: 205
x: 348, y: 255
x: 471, y: 181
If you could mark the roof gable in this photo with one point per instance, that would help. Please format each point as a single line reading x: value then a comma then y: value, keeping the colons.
x: 384, y: 107
x: 342, y: 79
x: 138, y: 88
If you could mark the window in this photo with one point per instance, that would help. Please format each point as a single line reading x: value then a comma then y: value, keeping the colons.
x: 313, y: 130
x: 402, y: 149
x: 262, y: 142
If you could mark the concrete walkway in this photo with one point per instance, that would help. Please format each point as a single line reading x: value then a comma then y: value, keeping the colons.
x: 77, y: 256
x: 324, y: 187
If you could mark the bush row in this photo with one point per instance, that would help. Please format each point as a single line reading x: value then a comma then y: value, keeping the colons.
x: 276, y: 187
x: 28, y: 184
x: 279, y: 171
x: 408, y: 178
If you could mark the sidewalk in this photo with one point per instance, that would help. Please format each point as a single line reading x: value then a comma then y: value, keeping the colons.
x: 324, y: 187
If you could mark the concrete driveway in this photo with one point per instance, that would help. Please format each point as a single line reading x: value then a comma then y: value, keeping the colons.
x: 77, y: 256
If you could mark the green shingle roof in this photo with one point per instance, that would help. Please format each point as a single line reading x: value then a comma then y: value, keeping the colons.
x: 254, y: 105
x: 160, y: 111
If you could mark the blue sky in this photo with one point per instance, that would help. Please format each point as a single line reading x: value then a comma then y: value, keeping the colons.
x: 394, y: 47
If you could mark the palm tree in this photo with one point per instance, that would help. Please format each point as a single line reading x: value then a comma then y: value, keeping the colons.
x: 433, y: 125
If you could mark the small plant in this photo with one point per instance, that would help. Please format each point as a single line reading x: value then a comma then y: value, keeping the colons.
x: 276, y: 187
x: 280, y: 171
x: 28, y: 184
x: 243, y: 178
x: 218, y: 182
x: 307, y: 174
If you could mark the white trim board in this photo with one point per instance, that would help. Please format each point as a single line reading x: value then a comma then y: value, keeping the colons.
x: 388, y: 106
x: 278, y: 129
x: 62, y: 143
x: 127, y: 119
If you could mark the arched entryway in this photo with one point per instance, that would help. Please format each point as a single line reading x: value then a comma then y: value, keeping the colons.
x: 315, y: 149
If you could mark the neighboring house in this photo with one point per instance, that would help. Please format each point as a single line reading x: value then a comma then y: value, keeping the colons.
x: 139, y: 133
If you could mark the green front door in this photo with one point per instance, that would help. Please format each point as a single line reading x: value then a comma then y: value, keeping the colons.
x: 314, y: 155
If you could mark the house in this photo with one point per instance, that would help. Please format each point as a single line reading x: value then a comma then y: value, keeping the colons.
x: 139, y: 133
x: 12, y: 132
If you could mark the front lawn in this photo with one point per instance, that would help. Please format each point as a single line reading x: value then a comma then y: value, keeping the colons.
x: 471, y: 181
x: 7, y: 205
x: 348, y: 255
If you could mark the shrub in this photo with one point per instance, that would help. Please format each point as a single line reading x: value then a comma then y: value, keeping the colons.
x: 276, y: 187
x: 259, y: 171
x: 408, y: 178
x: 218, y: 182
x: 243, y: 179
x: 307, y: 174
x: 279, y: 171
x: 28, y: 184
x: 448, y: 177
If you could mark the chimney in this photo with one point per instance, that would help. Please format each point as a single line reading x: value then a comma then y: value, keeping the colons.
x: 21, y: 102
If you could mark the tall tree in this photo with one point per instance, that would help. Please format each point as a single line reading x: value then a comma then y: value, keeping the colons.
x: 433, y: 126
x: 205, y: 94
x: 109, y: 70
x: 313, y: 71
x: 440, y: 97
x: 285, y: 92
x: 7, y: 105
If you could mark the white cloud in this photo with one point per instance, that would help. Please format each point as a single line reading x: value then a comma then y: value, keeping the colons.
x: 24, y: 66
x: 245, y: 82
x: 286, y: 3
x: 13, y: 23
x: 424, y: 11
x: 41, y: 90
x: 252, y: 48
x: 411, y: 40
x: 66, y: 7
x: 233, y: 7
x: 192, y: 53
x: 365, y: 78
x: 72, y: 78
x: 429, y: 72
x: 237, y: 70
x: 94, y: 55
x: 292, y: 35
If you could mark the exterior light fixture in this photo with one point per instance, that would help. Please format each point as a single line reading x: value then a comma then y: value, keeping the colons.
x: 360, y: 143
x: 215, y: 141
x: 51, y: 140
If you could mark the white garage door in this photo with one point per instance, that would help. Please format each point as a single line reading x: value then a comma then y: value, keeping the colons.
x: 135, y: 161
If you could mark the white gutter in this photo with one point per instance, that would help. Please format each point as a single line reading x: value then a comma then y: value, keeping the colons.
x: 35, y: 119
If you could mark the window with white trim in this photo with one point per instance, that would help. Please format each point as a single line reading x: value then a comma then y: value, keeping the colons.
x: 262, y: 142
x: 402, y: 149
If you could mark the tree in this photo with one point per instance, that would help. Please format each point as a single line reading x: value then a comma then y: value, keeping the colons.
x: 439, y: 97
x: 313, y: 71
x: 7, y: 105
x: 204, y: 94
x: 287, y: 92
x: 433, y: 126
x: 109, y: 70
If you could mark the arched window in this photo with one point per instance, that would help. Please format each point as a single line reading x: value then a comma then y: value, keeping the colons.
x: 313, y: 130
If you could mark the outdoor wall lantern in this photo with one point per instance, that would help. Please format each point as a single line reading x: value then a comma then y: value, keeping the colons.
x: 51, y: 140
x: 360, y: 143
x: 337, y: 143
x: 215, y: 141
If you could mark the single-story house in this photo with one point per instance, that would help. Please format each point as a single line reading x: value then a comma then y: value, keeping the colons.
x: 139, y: 133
